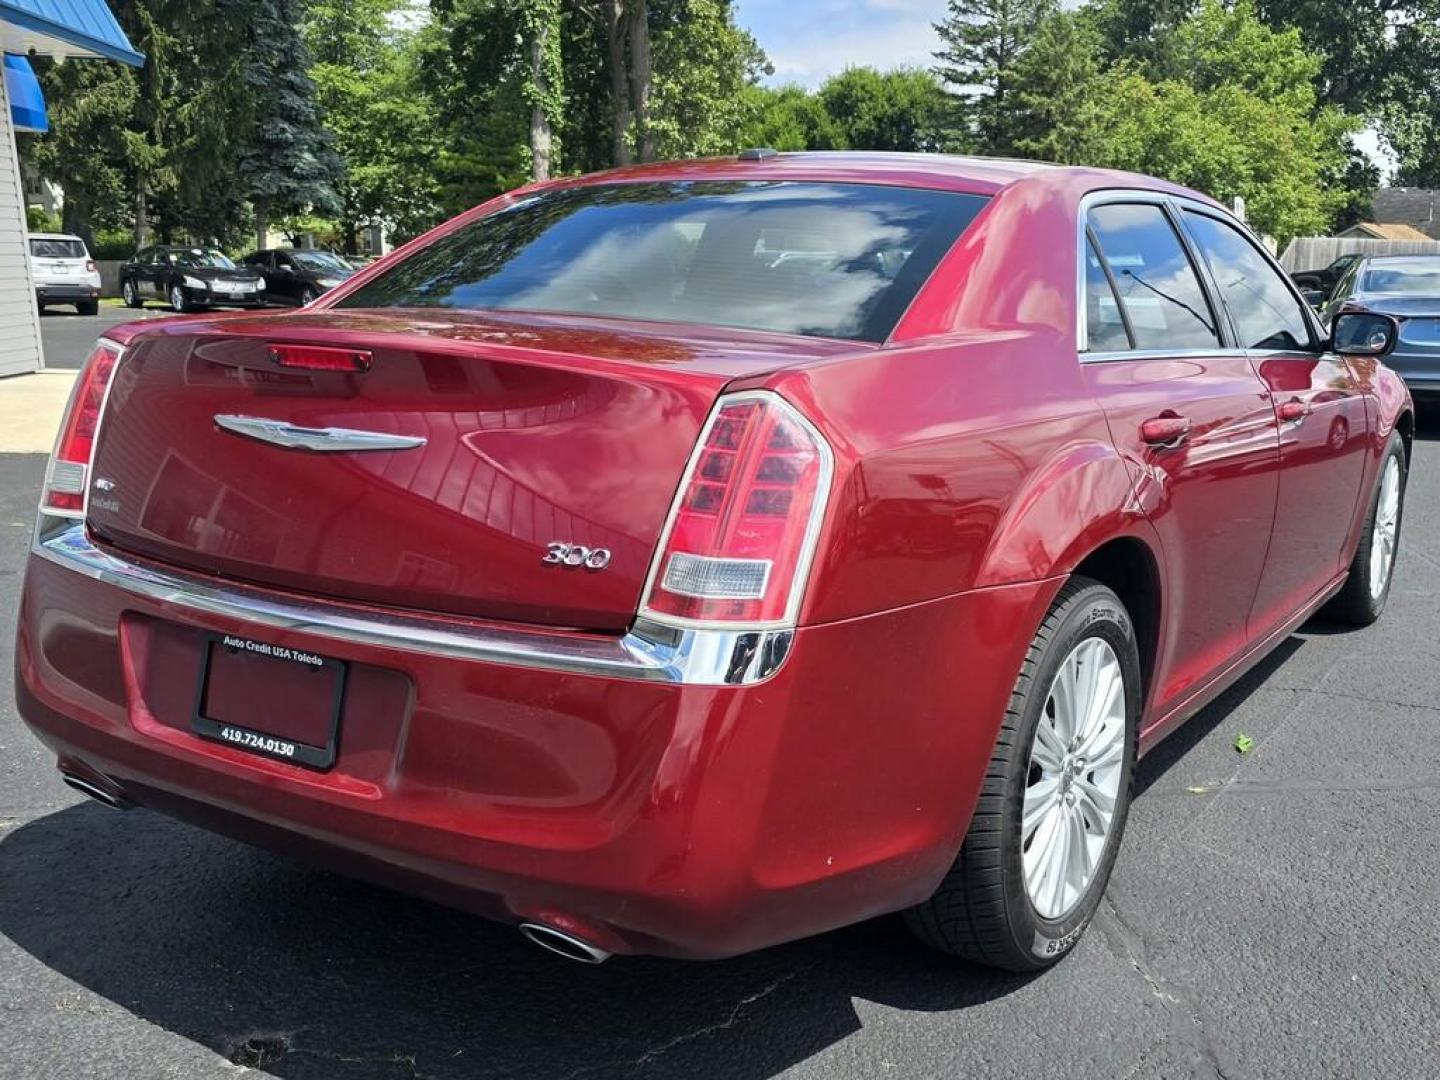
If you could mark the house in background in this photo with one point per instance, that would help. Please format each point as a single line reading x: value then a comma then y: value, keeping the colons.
x: 65, y: 29
x: 1417, y: 207
x: 1375, y: 230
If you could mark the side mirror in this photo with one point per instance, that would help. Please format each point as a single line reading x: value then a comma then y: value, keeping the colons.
x: 1363, y: 333
x: 1313, y: 297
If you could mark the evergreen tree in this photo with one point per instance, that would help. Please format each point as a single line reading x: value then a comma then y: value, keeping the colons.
x: 1059, y: 92
x: 286, y: 162
x: 984, y: 41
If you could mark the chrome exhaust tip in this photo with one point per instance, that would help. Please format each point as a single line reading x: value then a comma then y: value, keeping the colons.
x: 112, y: 799
x: 563, y: 944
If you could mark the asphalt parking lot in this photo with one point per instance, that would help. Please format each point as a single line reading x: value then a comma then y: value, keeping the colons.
x: 1273, y: 914
x: 67, y: 337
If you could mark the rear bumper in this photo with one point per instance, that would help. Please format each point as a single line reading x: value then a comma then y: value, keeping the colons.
x: 641, y: 811
x: 47, y: 292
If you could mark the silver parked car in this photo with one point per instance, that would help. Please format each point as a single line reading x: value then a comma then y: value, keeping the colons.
x: 63, y: 272
x: 1408, y: 288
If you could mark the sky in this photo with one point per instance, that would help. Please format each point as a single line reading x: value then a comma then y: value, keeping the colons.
x: 810, y: 40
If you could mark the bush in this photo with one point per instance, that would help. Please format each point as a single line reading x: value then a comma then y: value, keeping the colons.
x: 37, y: 220
x: 113, y: 244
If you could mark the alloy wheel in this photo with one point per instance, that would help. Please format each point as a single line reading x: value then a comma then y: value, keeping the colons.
x: 1076, y: 762
x: 1386, y: 531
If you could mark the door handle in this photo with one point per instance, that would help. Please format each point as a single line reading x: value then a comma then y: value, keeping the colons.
x: 1165, y: 430
x: 1293, y: 410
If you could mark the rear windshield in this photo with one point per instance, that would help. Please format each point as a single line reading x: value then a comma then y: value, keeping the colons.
x: 1416, y: 278
x: 57, y: 249
x: 831, y: 260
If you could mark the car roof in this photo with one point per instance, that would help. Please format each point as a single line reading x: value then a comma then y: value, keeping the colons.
x: 1404, y: 260
x: 976, y: 175
x: 54, y: 236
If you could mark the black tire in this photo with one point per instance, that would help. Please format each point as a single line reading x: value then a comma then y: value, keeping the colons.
x: 178, y: 303
x: 308, y: 296
x: 1357, y: 604
x: 982, y: 911
x: 88, y: 307
x: 130, y: 294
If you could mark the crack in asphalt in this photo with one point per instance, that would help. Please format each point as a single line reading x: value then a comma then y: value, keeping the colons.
x: 1187, y: 1025
x: 1318, y: 692
x: 655, y: 1052
x: 259, y: 1052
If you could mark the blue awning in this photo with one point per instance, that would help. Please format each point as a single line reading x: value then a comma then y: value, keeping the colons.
x: 66, y: 27
x: 27, y: 100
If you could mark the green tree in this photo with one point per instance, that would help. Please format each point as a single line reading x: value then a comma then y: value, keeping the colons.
x: 285, y: 162
x: 1410, y: 112
x: 704, y: 64
x: 902, y: 109
x: 1060, y: 89
x: 378, y: 113
x: 788, y: 118
x: 983, y: 42
x: 88, y: 149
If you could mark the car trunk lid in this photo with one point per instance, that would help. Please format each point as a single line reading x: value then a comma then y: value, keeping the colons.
x: 507, y: 434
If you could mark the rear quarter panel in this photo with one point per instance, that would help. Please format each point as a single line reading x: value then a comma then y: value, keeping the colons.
x: 970, y: 453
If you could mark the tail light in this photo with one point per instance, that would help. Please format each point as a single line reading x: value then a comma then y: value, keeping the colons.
x: 69, y: 472
x: 90, y: 266
x: 739, y: 540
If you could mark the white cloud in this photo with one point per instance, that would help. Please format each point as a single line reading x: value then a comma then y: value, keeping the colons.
x: 896, y: 38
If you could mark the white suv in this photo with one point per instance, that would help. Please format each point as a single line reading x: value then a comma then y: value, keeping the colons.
x: 64, y: 273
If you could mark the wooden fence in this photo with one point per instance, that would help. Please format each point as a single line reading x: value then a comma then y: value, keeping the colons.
x: 1318, y: 252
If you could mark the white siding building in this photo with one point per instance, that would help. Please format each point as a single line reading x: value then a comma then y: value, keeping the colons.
x: 58, y: 28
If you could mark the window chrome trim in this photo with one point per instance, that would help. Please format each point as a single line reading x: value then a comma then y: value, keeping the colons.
x: 1116, y: 355
x: 1170, y: 205
x: 647, y: 653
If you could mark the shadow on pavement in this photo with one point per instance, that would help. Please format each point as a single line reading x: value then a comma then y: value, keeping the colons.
x: 308, y: 975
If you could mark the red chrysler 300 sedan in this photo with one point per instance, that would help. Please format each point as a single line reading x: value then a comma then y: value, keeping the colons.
x: 698, y: 556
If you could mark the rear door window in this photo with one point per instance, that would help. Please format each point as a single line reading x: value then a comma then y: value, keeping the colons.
x: 1158, y: 287
x: 831, y: 260
x: 1265, y: 312
x: 1104, y: 324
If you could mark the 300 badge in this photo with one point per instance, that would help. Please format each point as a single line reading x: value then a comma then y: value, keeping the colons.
x: 558, y: 553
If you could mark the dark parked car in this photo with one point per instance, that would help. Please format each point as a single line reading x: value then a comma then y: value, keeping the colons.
x: 1406, y: 287
x: 1322, y: 281
x: 694, y: 557
x: 188, y: 278
x: 298, y: 275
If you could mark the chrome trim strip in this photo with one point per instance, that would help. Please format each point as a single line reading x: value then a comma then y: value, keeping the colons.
x: 649, y: 652
x: 325, y: 440
x: 1158, y: 354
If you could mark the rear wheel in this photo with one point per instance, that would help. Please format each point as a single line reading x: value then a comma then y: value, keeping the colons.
x: 1050, y: 815
x: 1362, y: 598
x: 129, y: 295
